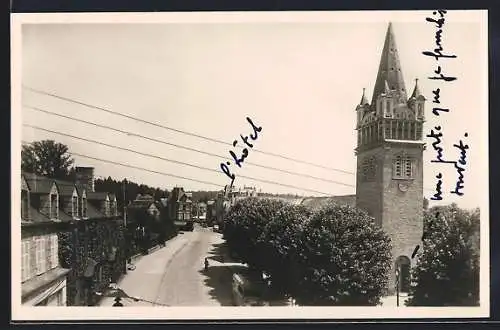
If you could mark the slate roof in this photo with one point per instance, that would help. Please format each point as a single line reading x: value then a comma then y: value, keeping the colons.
x: 36, y: 216
x: 93, y: 212
x: 93, y: 195
x: 38, y: 184
x: 65, y: 188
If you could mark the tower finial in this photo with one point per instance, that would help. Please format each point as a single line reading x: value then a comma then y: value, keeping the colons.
x: 364, y: 100
x: 416, y: 91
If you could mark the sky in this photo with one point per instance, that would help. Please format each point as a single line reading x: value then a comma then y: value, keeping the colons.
x: 299, y: 79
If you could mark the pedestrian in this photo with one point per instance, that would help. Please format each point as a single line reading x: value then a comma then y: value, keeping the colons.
x: 118, y: 302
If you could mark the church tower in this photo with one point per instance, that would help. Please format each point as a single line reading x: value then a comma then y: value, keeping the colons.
x: 389, y: 176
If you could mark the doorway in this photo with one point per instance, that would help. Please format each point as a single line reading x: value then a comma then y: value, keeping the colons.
x: 403, y: 264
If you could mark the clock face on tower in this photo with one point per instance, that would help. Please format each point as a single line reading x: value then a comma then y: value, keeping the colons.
x: 403, y: 187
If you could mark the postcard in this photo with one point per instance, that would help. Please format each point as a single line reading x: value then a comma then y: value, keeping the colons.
x: 250, y: 165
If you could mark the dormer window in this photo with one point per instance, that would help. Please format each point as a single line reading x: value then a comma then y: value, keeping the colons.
x: 107, y: 207
x: 84, y: 207
x: 54, y: 206
x: 74, y: 206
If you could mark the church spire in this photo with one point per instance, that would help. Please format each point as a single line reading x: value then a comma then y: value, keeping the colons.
x: 389, y: 70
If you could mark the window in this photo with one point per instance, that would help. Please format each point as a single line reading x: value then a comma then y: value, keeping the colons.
x: 420, y: 109
x: 24, y: 205
x: 25, y: 255
x: 54, y: 209
x: 388, y: 131
x: 41, y: 262
x: 84, y: 207
x: 403, y: 168
x: 419, y: 131
x: 74, y: 206
x: 388, y: 108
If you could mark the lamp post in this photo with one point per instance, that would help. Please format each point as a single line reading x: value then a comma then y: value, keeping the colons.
x: 397, y: 286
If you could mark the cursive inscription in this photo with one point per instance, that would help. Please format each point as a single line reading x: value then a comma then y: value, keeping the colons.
x: 438, y: 53
x: 238, y: 160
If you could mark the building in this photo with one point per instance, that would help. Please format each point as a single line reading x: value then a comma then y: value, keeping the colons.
x: 96, y: 245
x: 389, y: 176
x: 235, y: 195
x: 72, y: 240
x: 318, y: 202
x: 43, y: 279
x: 147, y: 223
x: 200, y: 211
x: 146, y: 202
x: 179, y: 208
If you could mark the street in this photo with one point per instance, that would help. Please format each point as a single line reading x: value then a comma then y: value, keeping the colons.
x: 175, y: 276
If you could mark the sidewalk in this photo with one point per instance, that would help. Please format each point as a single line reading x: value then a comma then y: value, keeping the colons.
x: 144, y: 281
x: 391, y: 301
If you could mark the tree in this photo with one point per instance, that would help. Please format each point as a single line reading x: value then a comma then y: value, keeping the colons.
x: 447, y: 270
x: 282, y: 242
x: 335, y: 256
x: 345, y: 258
x: 244, y: 228
x: 47, y: 158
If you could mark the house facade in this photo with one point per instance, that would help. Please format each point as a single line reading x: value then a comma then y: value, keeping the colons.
x: 179, y: 207
x: 72, y: 237
x: 43, y: 279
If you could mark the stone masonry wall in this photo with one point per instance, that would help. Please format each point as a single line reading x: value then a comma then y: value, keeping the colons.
x: 403, y: 210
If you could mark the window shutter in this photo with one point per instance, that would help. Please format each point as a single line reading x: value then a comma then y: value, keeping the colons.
x: 48, y: 252
x: 55, y: 250
x: 26, y: 267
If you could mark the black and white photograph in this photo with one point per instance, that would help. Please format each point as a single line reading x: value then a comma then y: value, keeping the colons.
x: 244, y: 165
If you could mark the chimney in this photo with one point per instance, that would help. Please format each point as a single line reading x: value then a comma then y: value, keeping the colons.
x: 85, y: 177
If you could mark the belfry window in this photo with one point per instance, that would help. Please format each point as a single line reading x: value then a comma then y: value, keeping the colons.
x: 403, y: 167
x: 369, y: 169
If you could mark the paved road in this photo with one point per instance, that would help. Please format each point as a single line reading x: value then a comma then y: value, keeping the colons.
x: 175, y: 275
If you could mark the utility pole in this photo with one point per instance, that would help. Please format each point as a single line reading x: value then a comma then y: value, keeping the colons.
x: 124, y: 188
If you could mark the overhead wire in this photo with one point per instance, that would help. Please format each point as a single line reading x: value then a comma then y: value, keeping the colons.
x: 129, y: 133
x: 88, y: 105
x: 195, y: 180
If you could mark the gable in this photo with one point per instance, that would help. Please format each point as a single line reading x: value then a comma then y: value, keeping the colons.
x: 54, y: 189
x: 24, y: 184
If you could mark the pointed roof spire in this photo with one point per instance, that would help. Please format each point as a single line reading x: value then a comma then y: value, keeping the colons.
x: 364, y: 100
x: 416, y: 91
x: 389, y: 70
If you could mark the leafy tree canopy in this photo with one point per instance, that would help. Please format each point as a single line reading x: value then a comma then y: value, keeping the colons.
x: 48, y: 158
